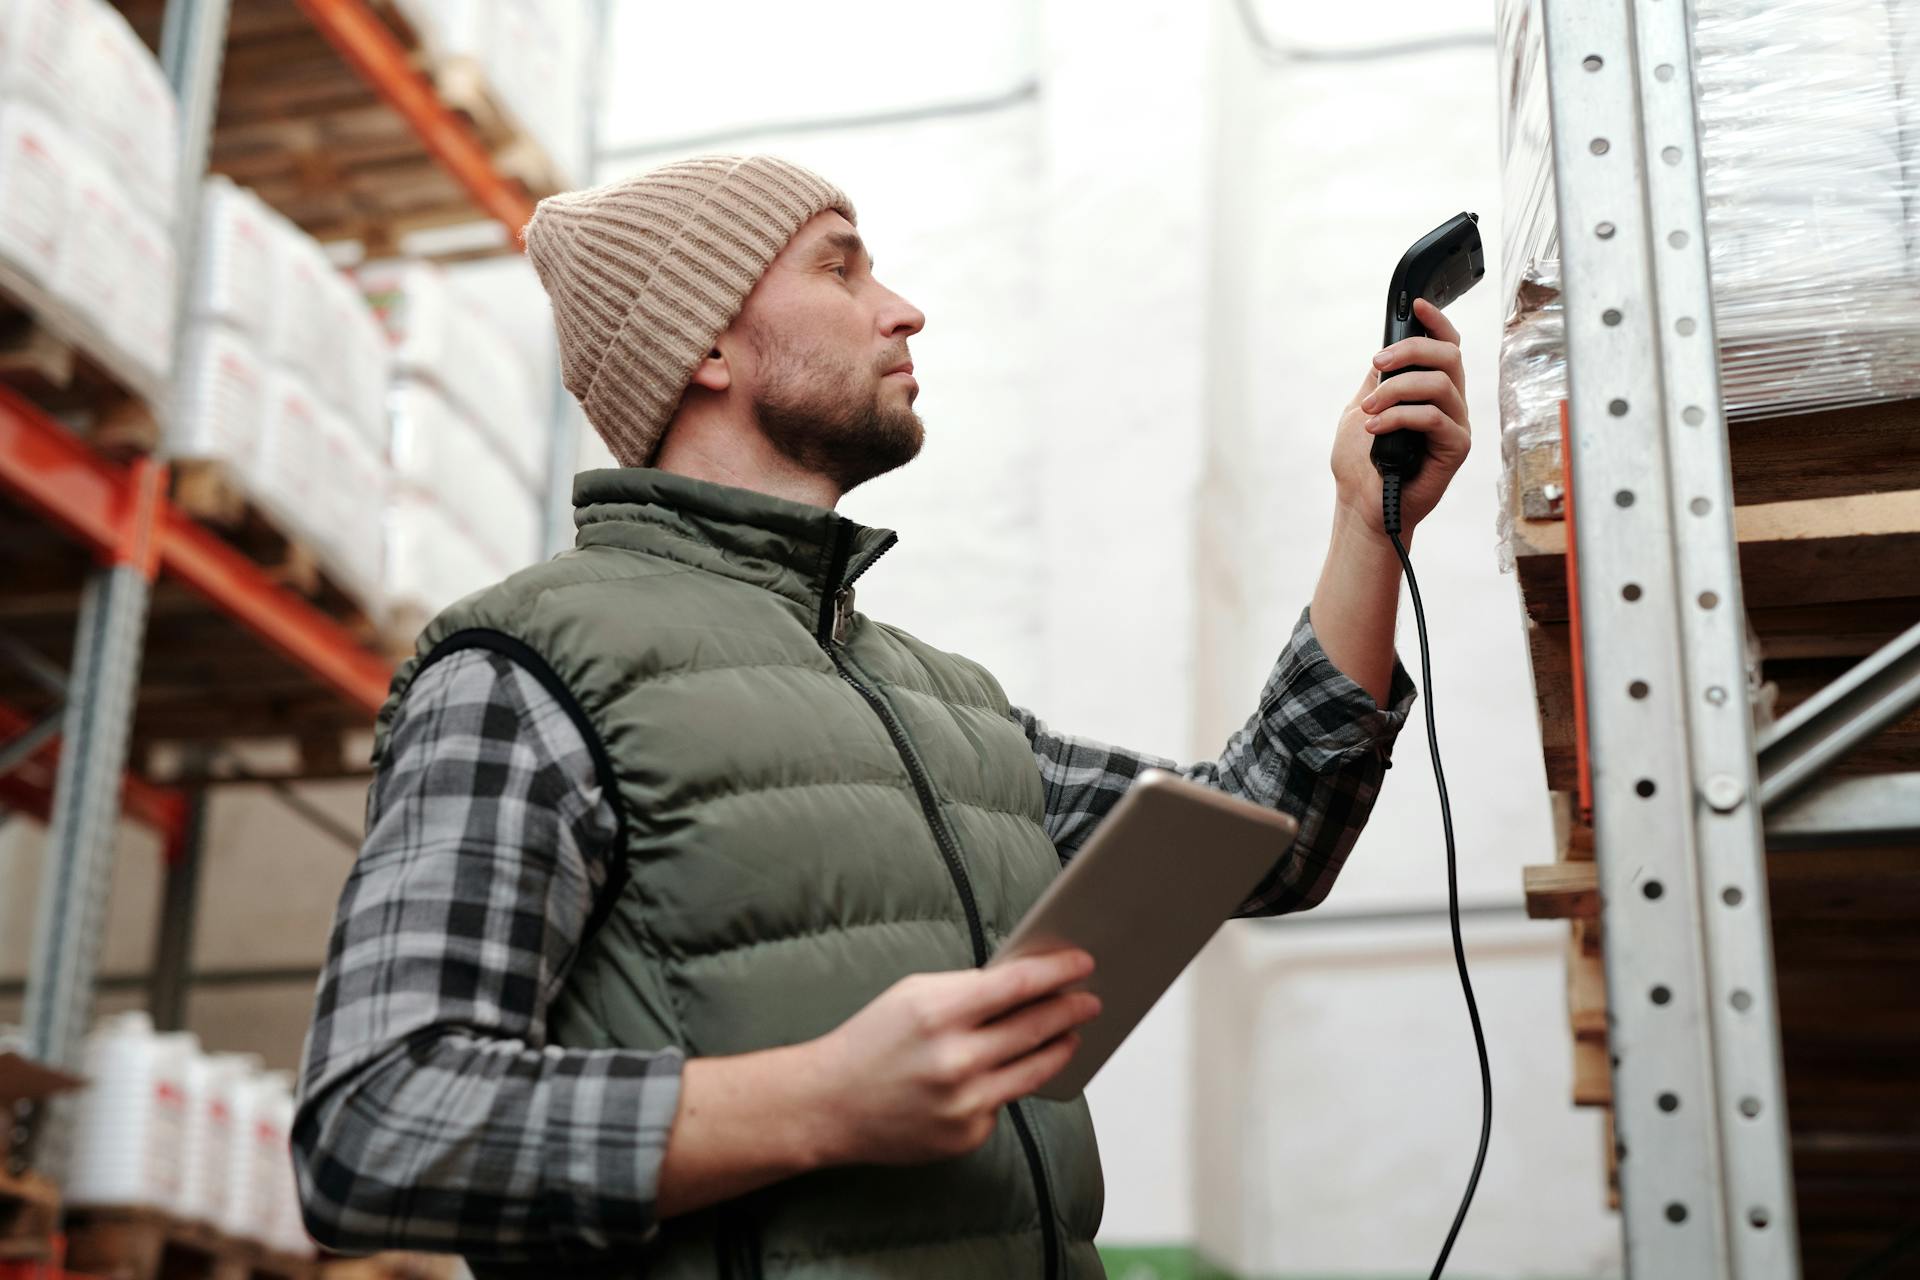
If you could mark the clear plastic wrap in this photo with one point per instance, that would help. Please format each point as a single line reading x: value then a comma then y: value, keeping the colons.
x: 1810, y: 183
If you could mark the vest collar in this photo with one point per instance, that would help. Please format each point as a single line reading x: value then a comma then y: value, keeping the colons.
x: 800, y: 551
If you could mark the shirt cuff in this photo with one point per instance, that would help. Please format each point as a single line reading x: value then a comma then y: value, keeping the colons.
x: 1325, y: 719
x: 611, y: 1114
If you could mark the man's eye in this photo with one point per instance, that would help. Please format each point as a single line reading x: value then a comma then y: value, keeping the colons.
x: 841, y: 272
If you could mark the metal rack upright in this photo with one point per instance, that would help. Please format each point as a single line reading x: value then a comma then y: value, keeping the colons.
x: 1686, y: 797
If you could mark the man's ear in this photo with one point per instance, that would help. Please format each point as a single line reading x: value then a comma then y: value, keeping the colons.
x: 713, y: 373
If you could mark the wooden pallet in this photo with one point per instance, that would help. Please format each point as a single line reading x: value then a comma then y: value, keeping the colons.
x: 303, y: 129
x: 29, y: 1217
x: 209, y: 491
x: 1827, y: 509
x: 144, y: 1244
x: 61, y: 361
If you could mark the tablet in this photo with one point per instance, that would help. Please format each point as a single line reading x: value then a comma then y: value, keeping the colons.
x: 1159, y: 875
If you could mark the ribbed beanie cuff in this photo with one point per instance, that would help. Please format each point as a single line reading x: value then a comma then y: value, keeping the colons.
x: 643, y: 274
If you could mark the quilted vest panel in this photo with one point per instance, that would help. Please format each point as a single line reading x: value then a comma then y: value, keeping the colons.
x: 813, y: 806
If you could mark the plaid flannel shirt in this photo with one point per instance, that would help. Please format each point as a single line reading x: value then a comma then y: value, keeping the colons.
x: 434, y: 1114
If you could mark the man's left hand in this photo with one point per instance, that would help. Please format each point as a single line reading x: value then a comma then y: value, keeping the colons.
x: 1433, y: 403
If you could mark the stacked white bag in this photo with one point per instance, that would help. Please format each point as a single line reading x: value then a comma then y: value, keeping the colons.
x: 284, y: 378
x: 530, y: 53
x: 1809, y: 138
x: 89, y: 153
x: 468, y: 442
x: 1905, y: 16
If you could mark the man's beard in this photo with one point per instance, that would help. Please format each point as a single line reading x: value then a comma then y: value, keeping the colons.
x: 811, y: 411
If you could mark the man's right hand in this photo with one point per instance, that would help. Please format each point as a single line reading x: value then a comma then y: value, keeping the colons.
x: 921, y: 1073
x: 918, y: 1075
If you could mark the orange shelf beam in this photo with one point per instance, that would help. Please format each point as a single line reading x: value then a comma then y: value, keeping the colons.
x: 29, y: 787
x: 97, y: 501
x: 371, y: 49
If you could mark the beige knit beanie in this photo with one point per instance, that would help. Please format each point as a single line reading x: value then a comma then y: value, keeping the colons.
x: 645, y: 273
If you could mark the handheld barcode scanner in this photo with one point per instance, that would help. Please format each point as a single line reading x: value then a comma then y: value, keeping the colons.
x: 1441, y: 265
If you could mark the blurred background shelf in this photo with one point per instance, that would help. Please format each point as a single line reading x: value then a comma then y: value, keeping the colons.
x: 182, y: 608
x: 232, y: 652
x: 338, y: 115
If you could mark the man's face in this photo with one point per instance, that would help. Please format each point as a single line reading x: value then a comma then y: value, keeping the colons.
x: 819, y: 347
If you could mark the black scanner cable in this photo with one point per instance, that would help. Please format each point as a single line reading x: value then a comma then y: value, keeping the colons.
x: 1441, y: 265
x: 1390, y: 509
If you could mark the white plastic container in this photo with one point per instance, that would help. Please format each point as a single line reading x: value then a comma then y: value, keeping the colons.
x: 207, y: 1144
x: 221, y: 398
x: 131, y: 1118
x: 280, y: 1225
x: 234, y: 265
x: 124, y: 110
x: 260, y: 1159
x: 143, y: 324
x: 437, y: 448
x: 36, y: 183
x: 195, y: 1081
x: 241, y: 1207
x: 36, y: 50
x: 91, y: 277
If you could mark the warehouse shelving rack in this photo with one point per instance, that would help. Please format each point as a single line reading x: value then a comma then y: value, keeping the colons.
x: 177, y: 638
x: 1731, y: 881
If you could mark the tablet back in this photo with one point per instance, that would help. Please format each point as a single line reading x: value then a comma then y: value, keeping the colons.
x: 1160, y: 874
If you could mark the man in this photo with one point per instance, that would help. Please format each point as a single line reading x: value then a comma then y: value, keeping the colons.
x: 662, y: 955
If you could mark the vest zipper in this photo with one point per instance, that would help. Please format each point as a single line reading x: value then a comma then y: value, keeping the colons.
x: 836, y: 616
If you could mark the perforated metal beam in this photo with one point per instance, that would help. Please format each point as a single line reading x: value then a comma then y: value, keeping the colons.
x: 1699, y: 1104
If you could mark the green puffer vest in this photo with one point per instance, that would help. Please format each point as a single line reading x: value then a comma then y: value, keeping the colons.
x: 813, y: 805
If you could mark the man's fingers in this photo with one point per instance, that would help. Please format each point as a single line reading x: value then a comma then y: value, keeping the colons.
x: 1428, y: 421
x: 1429, y: 387
x: 1429, y: 353
x: 1435, y: 321
x: 994, y: 991
x: 1029, y: 1073
x: 1022, y: 1033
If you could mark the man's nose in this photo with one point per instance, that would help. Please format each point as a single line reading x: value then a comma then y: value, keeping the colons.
x: 902, y: 319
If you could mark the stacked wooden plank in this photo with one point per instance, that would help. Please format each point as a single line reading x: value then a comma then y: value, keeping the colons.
x: 1827, y: 507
